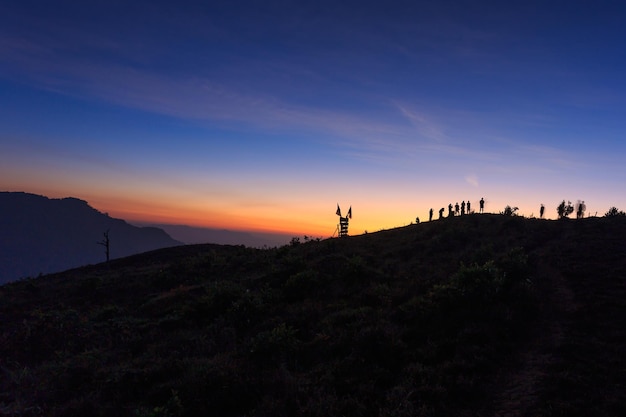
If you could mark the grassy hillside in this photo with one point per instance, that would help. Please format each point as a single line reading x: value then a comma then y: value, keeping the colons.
x: 476, y: 315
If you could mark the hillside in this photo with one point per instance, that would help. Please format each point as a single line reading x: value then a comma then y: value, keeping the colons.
x: 484, y: 315
x: 41, y: 235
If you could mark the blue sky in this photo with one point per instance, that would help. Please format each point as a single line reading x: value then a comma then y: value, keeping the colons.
x: 265, y: 115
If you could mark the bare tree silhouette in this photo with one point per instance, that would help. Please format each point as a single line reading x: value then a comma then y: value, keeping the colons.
x: 106, y: 243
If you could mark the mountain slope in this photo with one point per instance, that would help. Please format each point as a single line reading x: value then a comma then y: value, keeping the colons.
x: 41, y: 235
x: 477, y: 315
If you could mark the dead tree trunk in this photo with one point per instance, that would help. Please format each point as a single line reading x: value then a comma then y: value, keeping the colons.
x: 105, y: 242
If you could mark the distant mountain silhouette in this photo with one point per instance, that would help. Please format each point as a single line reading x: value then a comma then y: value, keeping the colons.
x: 192, y: 235
x: 43, y: 235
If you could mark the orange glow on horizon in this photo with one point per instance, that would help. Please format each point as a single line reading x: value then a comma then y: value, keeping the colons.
x: 305, y: 215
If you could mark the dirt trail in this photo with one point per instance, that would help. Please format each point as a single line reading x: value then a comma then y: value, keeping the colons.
x: 518, y: 387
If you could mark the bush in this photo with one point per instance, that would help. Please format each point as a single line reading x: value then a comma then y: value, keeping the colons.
x: 301, y: 284
x: 173, y: 408
x: 510, y: 211
x: 614, y: 212
x: 276, y: 345
x: 564, y: 210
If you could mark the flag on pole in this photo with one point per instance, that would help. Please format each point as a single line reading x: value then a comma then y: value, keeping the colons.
x: 350, y: 212
x: 338, y: 210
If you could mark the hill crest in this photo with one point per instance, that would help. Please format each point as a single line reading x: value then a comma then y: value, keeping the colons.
x: 478, y: 315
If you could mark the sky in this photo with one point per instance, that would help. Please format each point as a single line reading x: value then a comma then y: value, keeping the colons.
x: 264, y: 115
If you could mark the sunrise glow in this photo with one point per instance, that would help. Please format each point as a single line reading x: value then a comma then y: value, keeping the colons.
x: 265, y: 118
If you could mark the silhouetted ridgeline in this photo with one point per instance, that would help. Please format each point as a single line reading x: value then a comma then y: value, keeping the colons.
x: 192, y: 235
x: 42, y: 235
x: 476, y: 315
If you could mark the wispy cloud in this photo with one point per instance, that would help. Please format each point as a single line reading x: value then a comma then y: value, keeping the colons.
x: 205, y: 100
x: 424, y: 125
x: 472, y: 180
x: 202, y: 99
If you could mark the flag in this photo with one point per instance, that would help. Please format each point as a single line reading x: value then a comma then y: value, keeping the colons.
x: 338, y: 211
x: 350, y: 212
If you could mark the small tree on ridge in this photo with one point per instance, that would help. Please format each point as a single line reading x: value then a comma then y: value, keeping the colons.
x: 564, y: 210
x: 613, y: 212
x: 510, y: 211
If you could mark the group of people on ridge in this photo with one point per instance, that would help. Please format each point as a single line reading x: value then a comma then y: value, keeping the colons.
x: 457, y: 209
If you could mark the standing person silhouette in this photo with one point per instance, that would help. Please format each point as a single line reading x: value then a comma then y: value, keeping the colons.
x: 468, y: 207
x: 462, y: 208
x: 441, y: 210
x: 541, y: 210
x: 456, y: 209
x: 450, y: 214
x: 482, y: 205
x: 430, y: 215
x: 580, y: 212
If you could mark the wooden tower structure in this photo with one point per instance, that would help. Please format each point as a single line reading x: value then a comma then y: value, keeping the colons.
x: 342, y: 227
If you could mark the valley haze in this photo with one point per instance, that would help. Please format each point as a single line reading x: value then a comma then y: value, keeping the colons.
x: 193, y: 235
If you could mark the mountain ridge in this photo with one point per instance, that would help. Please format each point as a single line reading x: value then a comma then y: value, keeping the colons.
x: 42, y: 235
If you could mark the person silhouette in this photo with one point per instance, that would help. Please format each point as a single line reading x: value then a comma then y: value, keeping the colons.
x: 450, y: 214
x: 456, y: 209
x: 441, y: 210
x: 430, y: 215
x: 462, y: 208
x: 580, y: 213
x: 468, y: 207
x: 482, y: 205
x: 541, y: 210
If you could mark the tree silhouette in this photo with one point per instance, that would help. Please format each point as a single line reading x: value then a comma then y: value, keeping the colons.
x: 105, y: 242
x: 564, y: 210
x: 613, y: 212
x: 510, y: 211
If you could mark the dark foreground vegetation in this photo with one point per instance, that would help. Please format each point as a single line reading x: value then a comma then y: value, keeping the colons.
x: 476, y: 315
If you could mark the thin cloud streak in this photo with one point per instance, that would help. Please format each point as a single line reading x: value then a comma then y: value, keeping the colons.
x: 472, y: 180
x: 201, y: 100
x: 424, y: 126
x: 204, y: 100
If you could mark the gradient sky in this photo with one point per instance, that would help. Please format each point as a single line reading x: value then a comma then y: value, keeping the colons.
x: 264, y: 115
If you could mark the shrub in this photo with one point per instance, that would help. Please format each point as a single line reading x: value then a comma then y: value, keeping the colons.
x: 173, y: 408
x: 301, y: 284
x: 276, y: 345
x: 510, y: 211
x: 564, y: 210
x: 220, y: 297
x: 614, y: 212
